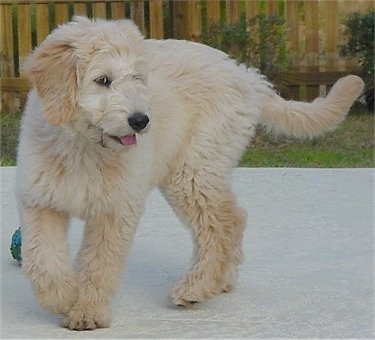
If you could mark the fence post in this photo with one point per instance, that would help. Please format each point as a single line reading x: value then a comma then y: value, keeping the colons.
x: 80, y: 9
x: 61, y: 13
x: 312, y: 43
x: 194, y: 21
x: 292, y: 40
x: 156, y: 19
x: 42, y: 22
x: 24, y: 33
x: 7, y: 64
x: 179, y: 9
x: 272, y: 7
x: 331, y: 33
x: 118, y: 10
x: 252, y: 9
x: 213, y: 12
x: 137, y: 14
x: 233, y: 11
x: 99, y: 10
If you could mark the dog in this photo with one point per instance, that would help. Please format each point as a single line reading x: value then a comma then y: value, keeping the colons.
x: 113, y: 115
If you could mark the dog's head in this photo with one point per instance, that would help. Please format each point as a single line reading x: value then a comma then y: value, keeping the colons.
x: 92, y: 76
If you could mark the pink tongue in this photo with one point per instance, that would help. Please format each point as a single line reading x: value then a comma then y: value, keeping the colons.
x: 128, y: 140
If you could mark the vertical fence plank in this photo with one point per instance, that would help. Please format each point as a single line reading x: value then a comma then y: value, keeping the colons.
x: 137, y: 14
x: 99, y: 10
x: 292, y: 40
x: 156, y: 19
x: 42, y: 22
x: 312, y: 43
x: 179, y: 10
x: 80, y: 8
x: 213, y: 12
x: 6, y: 41
x: 194, y: 21
x: 272, y: 7
x: 233, y: 11
x: 252, y: 9
x: 8, y: 102
x: 292, y: 29
x: 331, y: 23
x: 61, y: 13
x: 118, y: 10
x: 24, y: 40
x: 24, y: 32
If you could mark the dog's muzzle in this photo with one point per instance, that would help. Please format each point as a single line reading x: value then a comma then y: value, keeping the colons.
x: 138, y: 122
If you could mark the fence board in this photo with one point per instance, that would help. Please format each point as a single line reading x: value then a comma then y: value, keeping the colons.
x: 251, y: 9
x: 118, y: 10
x: 309, y: 78
x: 14, y: 84
x: 194, y: 21
x: 61, y: 13
x: 8, y: 102
x: 137, y: 14
x: 99, y: 10
x: 272, y: 7
x: 156, y: 19
x: 312, y: 43
x: 179, y: 9
x: 331, y: 33
x: 42, y: 22
x: 80, y: 8
x: 24, y: 32
x: 213, y: 12
x: 6, y: 41
x: 292, y: 39
x: 233, y: 11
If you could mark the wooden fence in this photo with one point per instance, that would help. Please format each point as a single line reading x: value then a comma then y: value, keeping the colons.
x: 313, y: 33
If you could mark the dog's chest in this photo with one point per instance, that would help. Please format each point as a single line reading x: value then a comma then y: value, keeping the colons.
x: 83, y: 189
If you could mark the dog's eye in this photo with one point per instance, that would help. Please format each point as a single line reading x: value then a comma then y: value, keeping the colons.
x: 103, y: 81
x: 138, y: 77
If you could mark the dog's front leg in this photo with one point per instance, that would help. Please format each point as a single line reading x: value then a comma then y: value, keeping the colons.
x: 100, y: 266
x: 45, y: 258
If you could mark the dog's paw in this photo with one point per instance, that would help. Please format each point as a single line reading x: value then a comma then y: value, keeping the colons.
x: 84, y: 317
x: 57, y: 296
x: 199, y: 286
x: 185, y: 295
x: 190, y: 290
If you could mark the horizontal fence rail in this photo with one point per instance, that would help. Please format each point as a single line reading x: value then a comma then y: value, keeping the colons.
x: 312, y: 29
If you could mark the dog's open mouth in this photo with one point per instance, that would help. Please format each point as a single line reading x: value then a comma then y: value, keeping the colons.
x: 125, y: 140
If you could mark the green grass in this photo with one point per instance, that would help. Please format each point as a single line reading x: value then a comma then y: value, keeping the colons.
x: 349, y: 146
x: 10, y: 125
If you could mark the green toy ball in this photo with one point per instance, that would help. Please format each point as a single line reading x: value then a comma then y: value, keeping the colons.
x: 15, y: 245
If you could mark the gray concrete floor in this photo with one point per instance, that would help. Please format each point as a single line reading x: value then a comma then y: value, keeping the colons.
x: 308, y: 269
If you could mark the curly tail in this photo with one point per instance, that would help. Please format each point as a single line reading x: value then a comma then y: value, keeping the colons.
x: 307, y: 120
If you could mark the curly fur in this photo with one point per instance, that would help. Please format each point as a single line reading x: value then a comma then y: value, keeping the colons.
x: 203, y: 109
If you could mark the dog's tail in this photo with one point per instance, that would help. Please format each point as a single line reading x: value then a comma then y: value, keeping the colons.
x: 307, y: 120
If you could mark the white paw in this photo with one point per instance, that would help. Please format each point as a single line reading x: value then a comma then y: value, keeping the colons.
x: 200, y: 286
x: 84, y: 316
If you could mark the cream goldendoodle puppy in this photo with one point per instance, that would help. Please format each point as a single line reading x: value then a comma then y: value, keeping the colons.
x: 112, y: 116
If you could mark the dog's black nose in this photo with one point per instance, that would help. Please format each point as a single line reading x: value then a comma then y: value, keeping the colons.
x: 138, y: 121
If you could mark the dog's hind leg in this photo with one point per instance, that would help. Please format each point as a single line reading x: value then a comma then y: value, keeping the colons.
x: 204, y: 201
x: 45, y: 258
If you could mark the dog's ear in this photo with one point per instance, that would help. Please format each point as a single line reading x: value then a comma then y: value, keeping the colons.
x: 52, y: 70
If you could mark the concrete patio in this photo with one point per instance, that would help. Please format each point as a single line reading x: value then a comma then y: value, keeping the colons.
x: 308, y: 269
